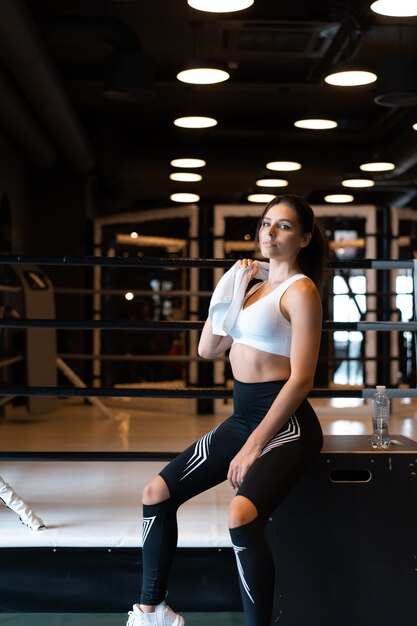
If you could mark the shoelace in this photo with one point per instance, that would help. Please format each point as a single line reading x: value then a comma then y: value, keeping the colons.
x: 131, y: 620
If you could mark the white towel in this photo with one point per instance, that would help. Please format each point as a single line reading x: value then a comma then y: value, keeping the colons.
x: 227, y: 299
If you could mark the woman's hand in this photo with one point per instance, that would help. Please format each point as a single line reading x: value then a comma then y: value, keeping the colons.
x: 249, y: 263
x: 241, y: 464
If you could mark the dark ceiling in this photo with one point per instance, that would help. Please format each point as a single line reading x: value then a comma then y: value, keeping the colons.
x: 57, y: 54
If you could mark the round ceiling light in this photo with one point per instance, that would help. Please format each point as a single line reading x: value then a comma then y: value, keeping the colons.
x: 220, y: 6
x: 339, y: 198
x: 272, y: 182
x: 415, y: 126
x: 202, y: 74
x: 188, y: 162
x: 283, y: 166
x: 195, y: 121
x: 186, y: 177
x: 395, y: 8
x: 261, y: 197
x: 316, y: 124
x: 351, y: 78
x: 377, y: 166
x: 358, y: 182
x: 184, y: 197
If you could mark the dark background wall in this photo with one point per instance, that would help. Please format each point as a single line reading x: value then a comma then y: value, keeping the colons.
x: 14, y: 200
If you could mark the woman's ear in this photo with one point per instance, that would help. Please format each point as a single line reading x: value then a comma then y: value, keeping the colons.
x: 306, y: 240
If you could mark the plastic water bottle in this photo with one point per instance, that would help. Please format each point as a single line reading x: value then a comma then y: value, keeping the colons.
x: 380, y: 419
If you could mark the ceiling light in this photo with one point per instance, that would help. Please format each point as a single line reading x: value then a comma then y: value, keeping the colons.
x: 316, y: 124
x: 358, y: 182
x: 220, y: 6
x: 350, y: 78
x: 186, y: 177
x: 395, y: 8
x: 201, y: 73
x: 283, y: 166
x: 134, y: 234
x: 415, y: 126
x: 377, y: 166
x: 272, y: 182
x: 188, y: 162
x: 339, y: 198
x: 184, y: 197
x: 129, y: 295
x: 195, y: 121
x: 261, y: 197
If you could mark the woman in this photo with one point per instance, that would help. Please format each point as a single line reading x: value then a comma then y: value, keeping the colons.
x: 273, y: 434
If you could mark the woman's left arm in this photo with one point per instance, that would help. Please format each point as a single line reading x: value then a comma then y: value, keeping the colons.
x: 303, y: 307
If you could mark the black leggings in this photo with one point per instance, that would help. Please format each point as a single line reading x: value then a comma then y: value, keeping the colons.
x: 205, y: 464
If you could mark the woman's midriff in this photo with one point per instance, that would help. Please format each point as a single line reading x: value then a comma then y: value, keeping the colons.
x: 250, y: 365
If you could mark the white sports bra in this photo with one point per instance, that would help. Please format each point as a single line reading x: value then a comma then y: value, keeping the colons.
x: 262, y: 325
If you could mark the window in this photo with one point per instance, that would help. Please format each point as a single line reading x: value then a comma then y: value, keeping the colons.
x: 349, y: 305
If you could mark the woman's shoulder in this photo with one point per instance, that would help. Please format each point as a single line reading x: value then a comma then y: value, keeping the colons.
x: 302, y: 289
x: 297, y: 281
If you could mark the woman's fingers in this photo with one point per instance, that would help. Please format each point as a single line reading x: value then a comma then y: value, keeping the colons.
x: 245, y: 263
x: 235, y: 476
x: 240, y: 465
x: 232, y: 477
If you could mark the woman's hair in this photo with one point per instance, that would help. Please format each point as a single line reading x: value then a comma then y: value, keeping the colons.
x: 311, y: 258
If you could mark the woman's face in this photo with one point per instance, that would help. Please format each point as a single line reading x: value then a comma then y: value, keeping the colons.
x: 280, y: 233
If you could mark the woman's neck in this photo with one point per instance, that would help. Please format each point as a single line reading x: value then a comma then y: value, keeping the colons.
x: 279, y: 272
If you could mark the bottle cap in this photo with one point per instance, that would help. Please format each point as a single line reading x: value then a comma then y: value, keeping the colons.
x: 380, y: 387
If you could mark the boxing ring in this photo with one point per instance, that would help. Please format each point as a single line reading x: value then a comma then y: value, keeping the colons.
x: 89, y: 559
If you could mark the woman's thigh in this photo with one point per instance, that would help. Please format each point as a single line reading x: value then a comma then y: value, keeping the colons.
x: 282, y: 462
x: 205, y: 463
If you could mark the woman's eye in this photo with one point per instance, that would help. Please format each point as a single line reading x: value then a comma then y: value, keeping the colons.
x: 284, y: 226
x: 265, y: 224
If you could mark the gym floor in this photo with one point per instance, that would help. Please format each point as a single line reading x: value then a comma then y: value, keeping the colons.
x: 77, y: 426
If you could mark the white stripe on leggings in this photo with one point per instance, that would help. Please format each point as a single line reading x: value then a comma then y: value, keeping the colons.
x: 146, y: 527
x: 201, y: 452
x: 291, y: 433
x: 245, y: 585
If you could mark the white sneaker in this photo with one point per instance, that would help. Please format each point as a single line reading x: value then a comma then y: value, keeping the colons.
x: 163, y: 616
x: 33, y: 521
x: 16, y: 504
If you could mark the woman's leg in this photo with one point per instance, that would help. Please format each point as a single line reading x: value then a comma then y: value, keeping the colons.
x: 159, y: 540
x: 268, y: 481
x: 200, y: 467
x: 254, y: 561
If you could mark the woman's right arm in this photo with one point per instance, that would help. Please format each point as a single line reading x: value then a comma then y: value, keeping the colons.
x: 211, y: 346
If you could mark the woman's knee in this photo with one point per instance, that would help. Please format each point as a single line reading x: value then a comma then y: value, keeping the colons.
x: 241, y: 512
x: 155, y: 491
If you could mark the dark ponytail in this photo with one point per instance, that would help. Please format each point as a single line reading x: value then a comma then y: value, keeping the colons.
x: 312, y: 258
